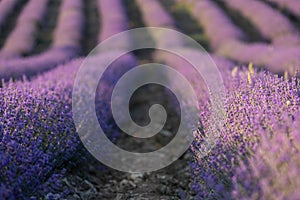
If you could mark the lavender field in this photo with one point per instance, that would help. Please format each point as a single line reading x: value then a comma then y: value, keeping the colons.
x: 255, y: 46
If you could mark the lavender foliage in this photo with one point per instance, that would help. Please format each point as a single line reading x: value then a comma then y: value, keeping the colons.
x: 38, y: 136
x: 257, y: 103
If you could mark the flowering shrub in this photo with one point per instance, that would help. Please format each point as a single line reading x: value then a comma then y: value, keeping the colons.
x: 37, y: 132
x: 272, y: 172
x: 257, y: 103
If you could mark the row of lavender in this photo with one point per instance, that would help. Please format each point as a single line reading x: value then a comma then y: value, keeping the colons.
x: 257, y: 153
x: 21, y: 40
x: 65, y: 43
x: 37, y: 130
x: 48, y: 100
x: 37, y: 133
x: 6, y: 7
x: 230, y: 41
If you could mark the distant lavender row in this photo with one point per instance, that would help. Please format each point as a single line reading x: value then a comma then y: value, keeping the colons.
x: 171, y: 41
x: 6, y: 8
x: 154, y: 14
x: 65, y: 45
x: 217, y: 26
x: 271, y: 23
x: 69, y: 30
x: 291, y: 5
x: 22, y: 39
x: 257, y: 104
x: 276, y: 59
x: 37, y: 133
x: 31, y: 66
x: 113, y: 18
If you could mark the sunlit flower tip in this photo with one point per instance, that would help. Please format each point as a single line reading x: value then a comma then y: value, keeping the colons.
x: 250, y: 68
x: 249, y: 78
x: 288, y: 102
x: 286, y: 75
x: 234, y: 71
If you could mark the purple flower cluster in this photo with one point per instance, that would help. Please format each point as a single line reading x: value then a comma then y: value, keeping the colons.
x: 22, y: 39
x: 257, y: 104
x: 66, y: 45
x: 273, y: 170
x: 37, y: 132
x: 271, y: 23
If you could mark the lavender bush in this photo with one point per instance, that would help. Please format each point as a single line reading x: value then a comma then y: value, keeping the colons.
x: 257, y: 103
x: 38, y: 136
x: 272, y: 172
